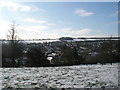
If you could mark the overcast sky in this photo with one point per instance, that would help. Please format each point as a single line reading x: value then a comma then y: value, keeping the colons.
x: 39, y: 20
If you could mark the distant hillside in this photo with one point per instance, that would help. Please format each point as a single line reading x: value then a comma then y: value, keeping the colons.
x: 66, y: 38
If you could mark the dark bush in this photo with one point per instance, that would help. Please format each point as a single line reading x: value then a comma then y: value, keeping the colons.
x: 38, y: 58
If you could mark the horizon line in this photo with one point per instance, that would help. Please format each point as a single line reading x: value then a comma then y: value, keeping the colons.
x: 92, y: 37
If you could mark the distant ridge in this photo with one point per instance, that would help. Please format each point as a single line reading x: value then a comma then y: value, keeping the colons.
x: 67, y: 38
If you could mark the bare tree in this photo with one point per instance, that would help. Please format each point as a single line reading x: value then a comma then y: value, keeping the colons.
x: 12, y: 32
x: 14, y: 43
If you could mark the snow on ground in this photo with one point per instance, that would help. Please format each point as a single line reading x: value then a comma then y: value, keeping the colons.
x: 81, y: 76
x: 0, y: 78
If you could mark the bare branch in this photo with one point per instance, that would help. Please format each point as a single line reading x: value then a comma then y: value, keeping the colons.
x: 12, y: 32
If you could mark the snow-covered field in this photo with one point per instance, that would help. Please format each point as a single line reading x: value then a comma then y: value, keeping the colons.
x: 81, y: 76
